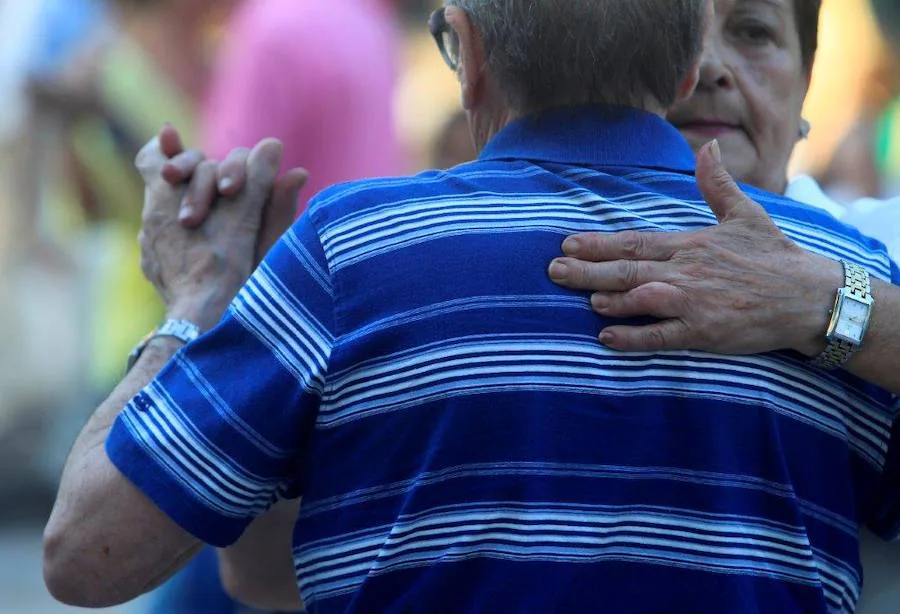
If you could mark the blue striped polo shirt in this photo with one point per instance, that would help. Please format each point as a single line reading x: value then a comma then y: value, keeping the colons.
x: 461, y: 440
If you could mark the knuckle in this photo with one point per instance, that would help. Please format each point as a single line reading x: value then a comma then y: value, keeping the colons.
x: 593, y: 243
x: 721, y: 180
x: 207, y: 167
x: 655, y: 338
x: 632, y: 244
x: 582, y: 273
x: 239, y: 154
x: 628, y: 274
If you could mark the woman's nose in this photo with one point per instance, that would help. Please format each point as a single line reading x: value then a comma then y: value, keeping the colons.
x: 715, y: 72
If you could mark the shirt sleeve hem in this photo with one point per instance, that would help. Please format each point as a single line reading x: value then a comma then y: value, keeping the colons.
x: 134, y: 461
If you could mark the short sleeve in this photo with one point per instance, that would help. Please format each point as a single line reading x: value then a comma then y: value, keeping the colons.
x: 223, y: 430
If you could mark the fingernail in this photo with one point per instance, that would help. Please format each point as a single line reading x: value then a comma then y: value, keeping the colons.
x: 599, y: 302
x: 605, y: 338
x: 226, y: 183
x: 571, y: 245
x: 715, y: 151
x: 558, y: 270
x: 185, y: 211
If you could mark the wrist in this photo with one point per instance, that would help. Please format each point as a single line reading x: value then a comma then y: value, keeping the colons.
x: 823, y: 277
x: 205, y: 314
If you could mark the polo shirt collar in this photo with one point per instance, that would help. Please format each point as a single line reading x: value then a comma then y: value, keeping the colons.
x: 593, y: 136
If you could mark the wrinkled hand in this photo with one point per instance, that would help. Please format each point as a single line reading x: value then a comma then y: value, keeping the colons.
x: 740, y: 287
x: 207, y: 180
x: 197, y: 271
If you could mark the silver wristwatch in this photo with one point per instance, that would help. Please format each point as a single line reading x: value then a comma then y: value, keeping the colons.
x: 182, y: 330
x: 849, y: 318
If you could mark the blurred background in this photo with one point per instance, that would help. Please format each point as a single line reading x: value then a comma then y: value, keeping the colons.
x: 86, y: 82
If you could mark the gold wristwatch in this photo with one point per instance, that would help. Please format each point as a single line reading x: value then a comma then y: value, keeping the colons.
x: 849, y: 318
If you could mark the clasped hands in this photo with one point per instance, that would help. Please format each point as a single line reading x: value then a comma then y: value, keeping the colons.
x: 206, y: 225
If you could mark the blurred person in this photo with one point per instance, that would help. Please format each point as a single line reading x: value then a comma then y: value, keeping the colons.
x: 456, y: 441
x: 320, y: 76
x: 110, y: 100
x: 867, y: 161
x: 754, y: 75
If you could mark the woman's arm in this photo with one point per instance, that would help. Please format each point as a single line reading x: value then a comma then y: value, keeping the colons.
x: 740, y: 287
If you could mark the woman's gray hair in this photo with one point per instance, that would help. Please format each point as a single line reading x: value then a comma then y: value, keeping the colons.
x: 548, y: 53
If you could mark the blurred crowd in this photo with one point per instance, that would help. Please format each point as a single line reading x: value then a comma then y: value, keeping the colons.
x: 88, y: 83
x: 341, y: 82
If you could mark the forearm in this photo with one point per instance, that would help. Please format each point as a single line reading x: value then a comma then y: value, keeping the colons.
x: 878, y: 361
x: 93, y: 510
x: 259, y: 569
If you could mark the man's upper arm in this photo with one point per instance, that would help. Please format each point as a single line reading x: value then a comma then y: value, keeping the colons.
x: 218, y: 436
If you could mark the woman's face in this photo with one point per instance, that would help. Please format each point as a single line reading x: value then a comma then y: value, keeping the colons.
x: 751, y: 90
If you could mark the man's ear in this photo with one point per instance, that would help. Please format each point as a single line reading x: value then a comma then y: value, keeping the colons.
x: 688, y: 83
x: 472, y: 60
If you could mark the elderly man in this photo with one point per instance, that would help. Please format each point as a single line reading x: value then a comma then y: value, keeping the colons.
x: 460, y: 440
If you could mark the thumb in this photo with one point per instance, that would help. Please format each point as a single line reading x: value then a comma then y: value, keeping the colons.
x: 281, y: 210
x: 719, y: 190
x: 263, y: 164
x: 170, y: 141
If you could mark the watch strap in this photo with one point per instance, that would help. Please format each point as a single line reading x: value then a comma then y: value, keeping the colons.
x: 183, y: 330
x: 857, y: 283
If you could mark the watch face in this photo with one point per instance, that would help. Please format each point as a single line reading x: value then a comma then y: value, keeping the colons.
x: 851, y: 325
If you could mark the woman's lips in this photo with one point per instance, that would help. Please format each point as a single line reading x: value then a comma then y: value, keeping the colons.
x: 709, y: 129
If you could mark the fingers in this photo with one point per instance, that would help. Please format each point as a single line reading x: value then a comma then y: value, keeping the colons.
x: 617, y: 276
x: 281, y: 210
x: 665, y: 335
x: 150, y: 160
x: 232, y: 175
x: 626, y: 245
x: 655, y: 299
x: 262, y: 168
x: 720, y: 191
x: 200, y: 195
x: 182, y: 167
x: 170, y: 141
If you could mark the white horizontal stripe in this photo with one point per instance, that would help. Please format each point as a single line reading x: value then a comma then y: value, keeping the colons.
x: 831, y: 400
x: 387, y: 184
x: 568, y: 529
x: 571, y: 203
x: 710, y: 542
x: 599, y: 472
x: 481, y: 366
x: 469, y: 303
x: 429, y: 209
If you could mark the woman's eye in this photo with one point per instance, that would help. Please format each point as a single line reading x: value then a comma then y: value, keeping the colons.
x: 757, y: 34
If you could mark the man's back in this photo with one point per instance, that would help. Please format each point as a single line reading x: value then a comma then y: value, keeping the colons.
x: 463, y: 442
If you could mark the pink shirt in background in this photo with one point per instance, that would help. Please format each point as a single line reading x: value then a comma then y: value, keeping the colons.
x: 317, y: 74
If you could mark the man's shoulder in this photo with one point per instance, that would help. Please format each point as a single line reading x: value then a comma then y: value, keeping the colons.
x: 355, y: 198
x: 816, y: 229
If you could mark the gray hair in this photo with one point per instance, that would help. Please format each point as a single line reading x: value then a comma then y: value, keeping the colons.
x: 547, y: 53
